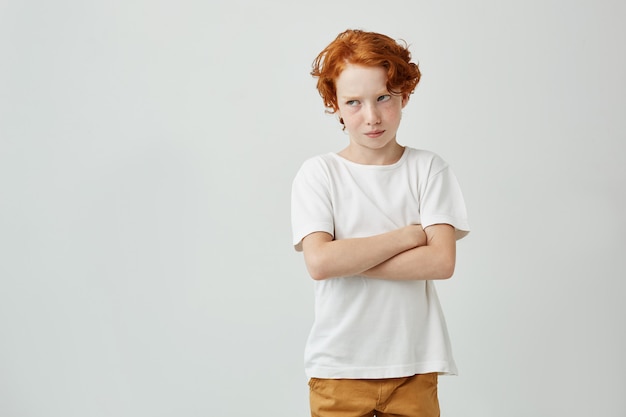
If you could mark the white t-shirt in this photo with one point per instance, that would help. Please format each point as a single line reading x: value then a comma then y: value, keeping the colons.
x: 370, y: 328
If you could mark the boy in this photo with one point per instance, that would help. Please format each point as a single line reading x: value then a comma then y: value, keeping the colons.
x: 377, y: 222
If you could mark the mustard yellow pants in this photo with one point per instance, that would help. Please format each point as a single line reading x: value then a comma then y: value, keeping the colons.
x: 414, y: 396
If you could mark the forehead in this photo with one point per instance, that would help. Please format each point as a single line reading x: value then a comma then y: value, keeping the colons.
x: 358, y: 79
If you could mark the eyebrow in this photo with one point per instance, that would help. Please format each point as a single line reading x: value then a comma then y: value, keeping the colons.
x: 356, y: 96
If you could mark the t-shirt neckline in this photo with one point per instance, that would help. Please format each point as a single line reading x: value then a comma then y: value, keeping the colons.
x: 399, y: 162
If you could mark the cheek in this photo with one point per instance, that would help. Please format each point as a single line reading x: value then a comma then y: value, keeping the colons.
x: 393, y: 114
x: 351, y: 122
x: 349, y: 117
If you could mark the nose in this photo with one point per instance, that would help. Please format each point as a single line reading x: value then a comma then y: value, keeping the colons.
x: 373, y: 115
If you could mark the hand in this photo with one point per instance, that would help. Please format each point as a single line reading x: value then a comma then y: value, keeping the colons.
x: 416, y: 234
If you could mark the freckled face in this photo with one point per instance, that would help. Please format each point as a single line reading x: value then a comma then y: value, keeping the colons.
x: 370, y: 113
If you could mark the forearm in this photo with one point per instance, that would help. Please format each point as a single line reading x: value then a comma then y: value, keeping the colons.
x: 423, y: 263
x: 435, y: 260
x: 328, y: 258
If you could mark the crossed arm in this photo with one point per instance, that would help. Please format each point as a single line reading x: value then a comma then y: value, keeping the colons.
x: 407, y: 253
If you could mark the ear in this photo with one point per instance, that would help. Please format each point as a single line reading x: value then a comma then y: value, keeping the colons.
x: 405, y: 100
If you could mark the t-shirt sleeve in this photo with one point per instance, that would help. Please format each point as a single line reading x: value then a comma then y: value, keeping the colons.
x: 311, y: 205
x: 442, y: 201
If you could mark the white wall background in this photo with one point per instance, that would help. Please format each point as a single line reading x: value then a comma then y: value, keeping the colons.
x: 146, y: 156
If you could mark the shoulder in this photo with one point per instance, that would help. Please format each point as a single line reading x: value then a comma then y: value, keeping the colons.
x: 317, y: 165
x: 316, y: 162
x: 425, y: 159
x: 316, y: 169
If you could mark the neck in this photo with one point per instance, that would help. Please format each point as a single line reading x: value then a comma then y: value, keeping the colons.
x: 366, y: 156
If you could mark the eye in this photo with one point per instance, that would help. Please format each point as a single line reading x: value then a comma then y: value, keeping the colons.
x: 352, y: 102
x: 384, y: 97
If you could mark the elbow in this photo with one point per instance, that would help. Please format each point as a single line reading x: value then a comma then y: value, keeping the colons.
x: 317, y: 269
x: 316, y: 258
x: 318, y: 274
x: 445, y: 268
x: 447, y: 271
x: 446, y: 263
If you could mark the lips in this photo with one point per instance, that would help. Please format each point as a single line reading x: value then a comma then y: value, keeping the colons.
x: 374, y: 133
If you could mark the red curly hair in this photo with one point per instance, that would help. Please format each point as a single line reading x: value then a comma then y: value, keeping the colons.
x: 369, y: 49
